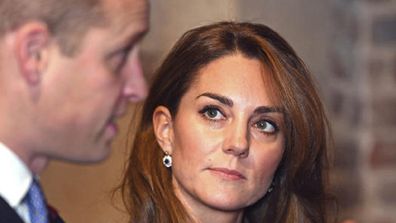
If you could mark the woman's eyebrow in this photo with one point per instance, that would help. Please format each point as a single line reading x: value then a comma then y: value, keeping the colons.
x: 227, y: 101
x: 268, y: 109
x: 222, y: 99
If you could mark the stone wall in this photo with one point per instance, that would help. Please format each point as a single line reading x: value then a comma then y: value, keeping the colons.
x: 362, y: 101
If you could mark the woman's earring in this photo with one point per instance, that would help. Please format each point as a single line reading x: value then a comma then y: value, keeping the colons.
x: 167, y: 160
x: 271, y: 187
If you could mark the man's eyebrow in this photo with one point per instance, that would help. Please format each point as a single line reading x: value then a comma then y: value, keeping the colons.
x: 134, y: 38
x: 139, y: 36
x: 222, y: 99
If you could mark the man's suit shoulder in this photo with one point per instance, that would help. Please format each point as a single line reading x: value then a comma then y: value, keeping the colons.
x: 7, y: 213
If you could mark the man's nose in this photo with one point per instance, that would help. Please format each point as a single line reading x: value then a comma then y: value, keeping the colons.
x: 237, y: 140
x: 136, y: 86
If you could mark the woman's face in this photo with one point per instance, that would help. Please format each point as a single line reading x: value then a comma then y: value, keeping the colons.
x: 227, y: 138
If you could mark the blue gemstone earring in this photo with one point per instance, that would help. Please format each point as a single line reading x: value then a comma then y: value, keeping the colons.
x: 167, y: 160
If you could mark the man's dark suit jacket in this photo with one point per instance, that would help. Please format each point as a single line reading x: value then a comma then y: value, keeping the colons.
x: 8, y: 214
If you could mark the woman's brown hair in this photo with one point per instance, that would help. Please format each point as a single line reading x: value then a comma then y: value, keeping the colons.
x: 300, y: 182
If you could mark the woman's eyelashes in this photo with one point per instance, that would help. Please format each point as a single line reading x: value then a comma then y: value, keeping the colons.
x: 212, y: 113
x: 266, y: 126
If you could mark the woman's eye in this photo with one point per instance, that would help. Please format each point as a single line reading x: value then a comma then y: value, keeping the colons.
x: 212, y: 113
x: 266, y: 126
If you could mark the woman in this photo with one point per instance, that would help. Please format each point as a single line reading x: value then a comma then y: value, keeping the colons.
x: 232, y: 131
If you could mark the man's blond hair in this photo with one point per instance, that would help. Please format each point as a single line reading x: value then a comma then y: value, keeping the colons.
x: 67, y: 20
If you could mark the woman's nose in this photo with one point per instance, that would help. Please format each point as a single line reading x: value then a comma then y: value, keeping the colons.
x: 236, y: 140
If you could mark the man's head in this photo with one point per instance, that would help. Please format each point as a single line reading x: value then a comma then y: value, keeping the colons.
x: 67, y: 70
x: 66, y: 20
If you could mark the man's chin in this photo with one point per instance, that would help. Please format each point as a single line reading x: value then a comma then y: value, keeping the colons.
x: 99, y: 155
x: 38, y: 164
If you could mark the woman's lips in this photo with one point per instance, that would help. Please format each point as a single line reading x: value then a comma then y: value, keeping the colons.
x: 227, y: 173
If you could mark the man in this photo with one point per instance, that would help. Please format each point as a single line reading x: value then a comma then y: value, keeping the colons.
x: 68, y: 68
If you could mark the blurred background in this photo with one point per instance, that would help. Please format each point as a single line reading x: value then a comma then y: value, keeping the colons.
x: 349, y: 45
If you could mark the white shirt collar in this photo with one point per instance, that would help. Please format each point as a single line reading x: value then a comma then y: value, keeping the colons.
x: 15, y: 177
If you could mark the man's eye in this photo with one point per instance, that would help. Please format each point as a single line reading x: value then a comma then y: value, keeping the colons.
x: 212, y: 113
x: 118, y: 61
x: 266, y: 127
x: 118, y: 58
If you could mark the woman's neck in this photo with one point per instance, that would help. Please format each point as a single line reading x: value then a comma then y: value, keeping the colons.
x: 219, y: 217
x: 201, y: 213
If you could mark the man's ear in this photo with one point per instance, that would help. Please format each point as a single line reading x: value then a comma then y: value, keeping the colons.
x: 163, y: 128
x: 31, y: 50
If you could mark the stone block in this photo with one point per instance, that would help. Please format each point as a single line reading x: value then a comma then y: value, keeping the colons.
x: 384, y: 111
x: 346, y: 155
x: 384, y: 30
x: 336, y: 102
x: 387, y: 191
x: 355, y: 113
x: 394, y: 68
x: 383, y: 155
x: 348, y: 190
x: 376, y: 69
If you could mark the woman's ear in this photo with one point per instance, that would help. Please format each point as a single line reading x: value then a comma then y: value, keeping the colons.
x: 163, y: 128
